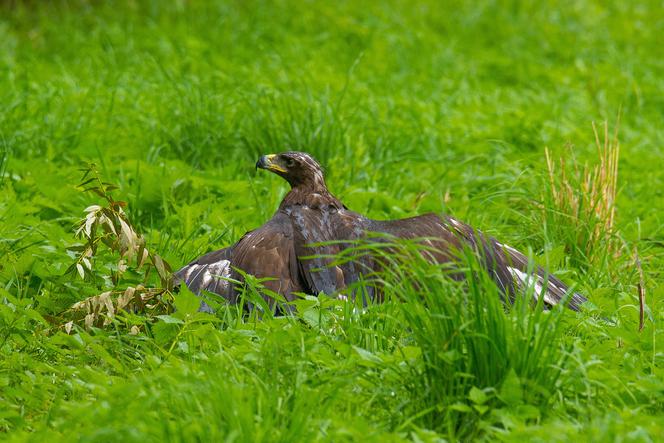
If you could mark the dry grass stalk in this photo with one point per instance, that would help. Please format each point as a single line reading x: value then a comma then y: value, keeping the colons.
x: 586, y: 197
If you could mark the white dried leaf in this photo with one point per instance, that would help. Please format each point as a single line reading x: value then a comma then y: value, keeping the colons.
x: 128, y: 240
x: 92, y: 208
x: 89, y: 320
x: 105, y: 299
x: 142, y: 258
x: 159, y: 264
x: 79, y: 305
x: 126, y: 298
x: 68, y: 327
x: 110, y: 224
x: 94, y: 304
x: 80, y: 270
x: 88, y: 224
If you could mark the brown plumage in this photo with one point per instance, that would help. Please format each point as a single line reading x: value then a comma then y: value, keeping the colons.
x: 282, y: 248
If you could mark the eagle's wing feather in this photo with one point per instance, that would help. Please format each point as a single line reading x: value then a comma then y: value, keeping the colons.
x: 508, y: 267
x: 546, y: 285
x: 208, y: 273
x: 512, y: 270
x: 269, y: 252
x: 266, y: 252
x: 429, y: 227
x: 312, y: 227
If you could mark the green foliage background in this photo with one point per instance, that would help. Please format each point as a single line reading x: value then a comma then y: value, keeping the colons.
x: 412, y: 107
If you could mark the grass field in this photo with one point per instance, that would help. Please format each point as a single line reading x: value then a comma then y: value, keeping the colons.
x: 412, y: 108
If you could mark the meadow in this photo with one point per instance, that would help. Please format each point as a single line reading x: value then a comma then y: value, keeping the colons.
x: 412, y: 107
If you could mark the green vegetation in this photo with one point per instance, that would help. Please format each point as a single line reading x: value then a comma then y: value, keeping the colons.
x: 434, y: 106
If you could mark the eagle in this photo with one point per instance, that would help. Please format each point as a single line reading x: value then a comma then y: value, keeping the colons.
x: 292, y: 250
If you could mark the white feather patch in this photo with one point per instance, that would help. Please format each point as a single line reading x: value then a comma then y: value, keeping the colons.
x: 532, y: 280
x: 509, y: 248
x: 219, y: 269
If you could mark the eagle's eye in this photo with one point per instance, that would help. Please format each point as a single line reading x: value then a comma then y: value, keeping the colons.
x: 289, y: 162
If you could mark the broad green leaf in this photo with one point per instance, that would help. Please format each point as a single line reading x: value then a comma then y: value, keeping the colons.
x: 477, y: 396
x: 510, y: 392
x: 170, y: 319
x: 186, y: 302
x: 461, y: 407
x: 164, y: 332
x: 367, y: 356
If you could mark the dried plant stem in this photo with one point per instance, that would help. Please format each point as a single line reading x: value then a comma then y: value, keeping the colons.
x: 642, y: 290
x: 108, y: 224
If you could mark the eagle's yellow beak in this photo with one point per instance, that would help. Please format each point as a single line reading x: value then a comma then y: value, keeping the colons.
x: 268, y: 162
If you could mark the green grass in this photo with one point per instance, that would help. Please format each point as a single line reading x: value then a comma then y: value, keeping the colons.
x: 443, y: 107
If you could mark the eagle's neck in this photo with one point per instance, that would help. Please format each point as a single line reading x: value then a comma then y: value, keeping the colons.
x: 313, y: 194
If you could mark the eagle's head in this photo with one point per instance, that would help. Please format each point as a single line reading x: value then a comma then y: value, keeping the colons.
x: 297, y: 168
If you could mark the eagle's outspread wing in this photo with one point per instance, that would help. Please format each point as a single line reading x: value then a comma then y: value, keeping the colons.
x: 288, y: 250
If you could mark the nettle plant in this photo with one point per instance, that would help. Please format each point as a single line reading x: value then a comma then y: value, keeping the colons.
x: 108, y: 225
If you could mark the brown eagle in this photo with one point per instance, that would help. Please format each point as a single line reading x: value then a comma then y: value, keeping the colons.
x: 287, y: 248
